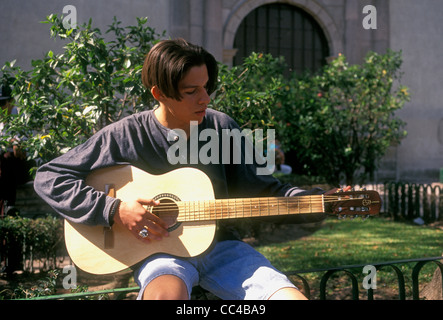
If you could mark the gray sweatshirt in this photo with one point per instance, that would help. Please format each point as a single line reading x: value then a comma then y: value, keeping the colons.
x: 140, y: 140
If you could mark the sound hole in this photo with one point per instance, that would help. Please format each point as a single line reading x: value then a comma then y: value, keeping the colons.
x: 168, y: 211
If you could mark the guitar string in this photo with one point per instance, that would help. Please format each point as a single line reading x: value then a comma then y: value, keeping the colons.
x: 216, y: 207
x: 263, y: 201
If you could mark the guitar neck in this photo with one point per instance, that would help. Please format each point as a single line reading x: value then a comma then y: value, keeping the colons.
x: 248, y: 208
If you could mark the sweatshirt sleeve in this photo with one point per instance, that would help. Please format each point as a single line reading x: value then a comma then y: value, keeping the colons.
x: 61, y: 182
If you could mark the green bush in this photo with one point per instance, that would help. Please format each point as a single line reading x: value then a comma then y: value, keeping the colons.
x: 250, y: 92
x: 65, y: 98
x: 34, y: 238
x: 338, y: 123
x: 341, y: 121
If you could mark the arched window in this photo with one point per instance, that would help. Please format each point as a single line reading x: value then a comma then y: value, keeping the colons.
x: 283, y: 30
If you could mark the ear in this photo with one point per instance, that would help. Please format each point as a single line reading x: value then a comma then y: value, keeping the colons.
x: 156, y: 93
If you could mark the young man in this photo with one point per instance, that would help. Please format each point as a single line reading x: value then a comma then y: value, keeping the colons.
x: 181, y: 77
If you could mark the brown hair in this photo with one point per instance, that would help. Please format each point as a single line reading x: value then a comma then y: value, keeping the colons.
x: 168, y: 62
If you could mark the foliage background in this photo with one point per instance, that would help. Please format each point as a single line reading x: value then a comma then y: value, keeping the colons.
x: 338, y: 122
x: 65, y: 98
x: 36, y: 238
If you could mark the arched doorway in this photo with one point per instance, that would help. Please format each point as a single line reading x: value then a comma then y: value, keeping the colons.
x: 282, y: 30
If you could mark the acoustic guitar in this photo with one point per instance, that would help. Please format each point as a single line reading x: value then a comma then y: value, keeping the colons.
x: 188, y: 205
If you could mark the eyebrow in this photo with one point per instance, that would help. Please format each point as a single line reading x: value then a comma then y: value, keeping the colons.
x: 193, y: 86
x: 190, y: 86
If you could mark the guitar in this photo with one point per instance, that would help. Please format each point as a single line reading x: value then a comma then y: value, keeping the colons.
x: 188, y: 206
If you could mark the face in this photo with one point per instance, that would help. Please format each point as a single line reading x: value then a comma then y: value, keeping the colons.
x: 192, y: 107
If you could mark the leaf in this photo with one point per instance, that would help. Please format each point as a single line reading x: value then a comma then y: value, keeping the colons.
x: 127, y: 63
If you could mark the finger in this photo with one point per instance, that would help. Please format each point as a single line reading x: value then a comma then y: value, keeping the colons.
x: 148, y: 233
x: 145, y: 239
x: 332, y: 191
x: 156, y: 229
x: 149, y: 216
x: 148, y: 202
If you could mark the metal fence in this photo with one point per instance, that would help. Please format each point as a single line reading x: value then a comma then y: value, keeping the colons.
x: 352, y: 271
x: 414, y: 201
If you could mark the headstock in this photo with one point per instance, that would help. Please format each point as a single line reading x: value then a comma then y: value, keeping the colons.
x: 363, y: 203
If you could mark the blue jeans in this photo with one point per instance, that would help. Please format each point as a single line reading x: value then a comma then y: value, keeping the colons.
x: 232, y: 270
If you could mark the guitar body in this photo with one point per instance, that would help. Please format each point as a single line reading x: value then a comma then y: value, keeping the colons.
x: 100, y: 250
x: 188, y: 206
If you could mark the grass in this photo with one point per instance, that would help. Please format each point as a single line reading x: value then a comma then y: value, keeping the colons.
x: 349, y: 242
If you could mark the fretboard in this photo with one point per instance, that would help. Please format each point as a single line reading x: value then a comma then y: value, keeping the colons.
x: 248, y: 207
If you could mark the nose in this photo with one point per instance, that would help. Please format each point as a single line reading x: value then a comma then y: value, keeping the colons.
x: 204, y: 98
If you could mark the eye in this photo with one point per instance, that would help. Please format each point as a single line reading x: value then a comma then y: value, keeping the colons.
x: 191, y: 92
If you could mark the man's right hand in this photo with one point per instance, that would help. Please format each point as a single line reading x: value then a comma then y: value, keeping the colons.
x: 134, y: 216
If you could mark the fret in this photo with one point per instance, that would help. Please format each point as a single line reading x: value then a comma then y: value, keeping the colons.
x: 203, y: 210
x: 221, y: 212
x: 228, y: 207
x: 323, y: 203
x: 187, y: 204
x: 258, y: 208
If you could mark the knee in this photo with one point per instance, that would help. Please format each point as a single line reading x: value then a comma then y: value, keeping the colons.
x: 165, y: 295
x: 166, y: 287
x: 287, y: 294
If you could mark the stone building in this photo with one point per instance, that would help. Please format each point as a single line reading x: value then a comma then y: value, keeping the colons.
x: 306, y: 32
